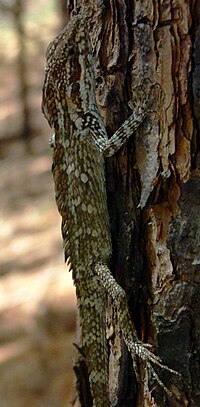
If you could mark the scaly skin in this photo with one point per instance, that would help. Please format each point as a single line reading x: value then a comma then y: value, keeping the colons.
x: 79, y: 148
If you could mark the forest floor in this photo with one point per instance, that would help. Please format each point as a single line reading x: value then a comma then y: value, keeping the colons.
x: 37, y: 298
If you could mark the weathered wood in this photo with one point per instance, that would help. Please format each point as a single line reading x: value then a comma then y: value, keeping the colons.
x: 153, y: 186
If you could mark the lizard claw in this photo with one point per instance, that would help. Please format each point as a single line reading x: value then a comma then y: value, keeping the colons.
x: 142, y: 351
x: 145, y: 96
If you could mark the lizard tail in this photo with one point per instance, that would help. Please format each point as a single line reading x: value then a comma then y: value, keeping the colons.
x: 92, y: 314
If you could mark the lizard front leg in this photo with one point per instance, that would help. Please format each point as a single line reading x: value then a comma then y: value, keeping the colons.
x: 130, y: 125
x: 91, y: 298
x: 110, y: 146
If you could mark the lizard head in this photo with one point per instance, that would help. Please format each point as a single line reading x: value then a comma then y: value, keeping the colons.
x: 69, y: 82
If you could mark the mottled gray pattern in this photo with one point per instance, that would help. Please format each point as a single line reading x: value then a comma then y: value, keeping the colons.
x: 79, y: 147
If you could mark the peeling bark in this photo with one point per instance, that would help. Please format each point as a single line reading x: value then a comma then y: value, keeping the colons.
x: 153, y: 186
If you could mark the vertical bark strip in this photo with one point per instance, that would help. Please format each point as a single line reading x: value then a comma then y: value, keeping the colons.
x: 153, y: 185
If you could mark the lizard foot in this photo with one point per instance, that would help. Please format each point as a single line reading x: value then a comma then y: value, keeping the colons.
x: 142, y: 351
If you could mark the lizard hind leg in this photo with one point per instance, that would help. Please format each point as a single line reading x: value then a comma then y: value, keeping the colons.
x: 135, y: 346
x: 92, y: 315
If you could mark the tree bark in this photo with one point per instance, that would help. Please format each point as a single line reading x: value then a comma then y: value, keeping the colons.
x: 153, y: 187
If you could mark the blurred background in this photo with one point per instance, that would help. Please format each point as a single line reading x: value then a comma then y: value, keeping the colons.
x: 37, y: 299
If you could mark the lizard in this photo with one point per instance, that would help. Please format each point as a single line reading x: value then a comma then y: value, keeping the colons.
x: 80, y: 145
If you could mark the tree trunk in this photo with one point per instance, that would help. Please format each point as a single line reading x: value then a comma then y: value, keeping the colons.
x: 153, y: 188
x: 18, y: 11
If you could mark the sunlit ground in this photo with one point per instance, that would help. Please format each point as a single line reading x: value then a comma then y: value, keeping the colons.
x: 37, y: 299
